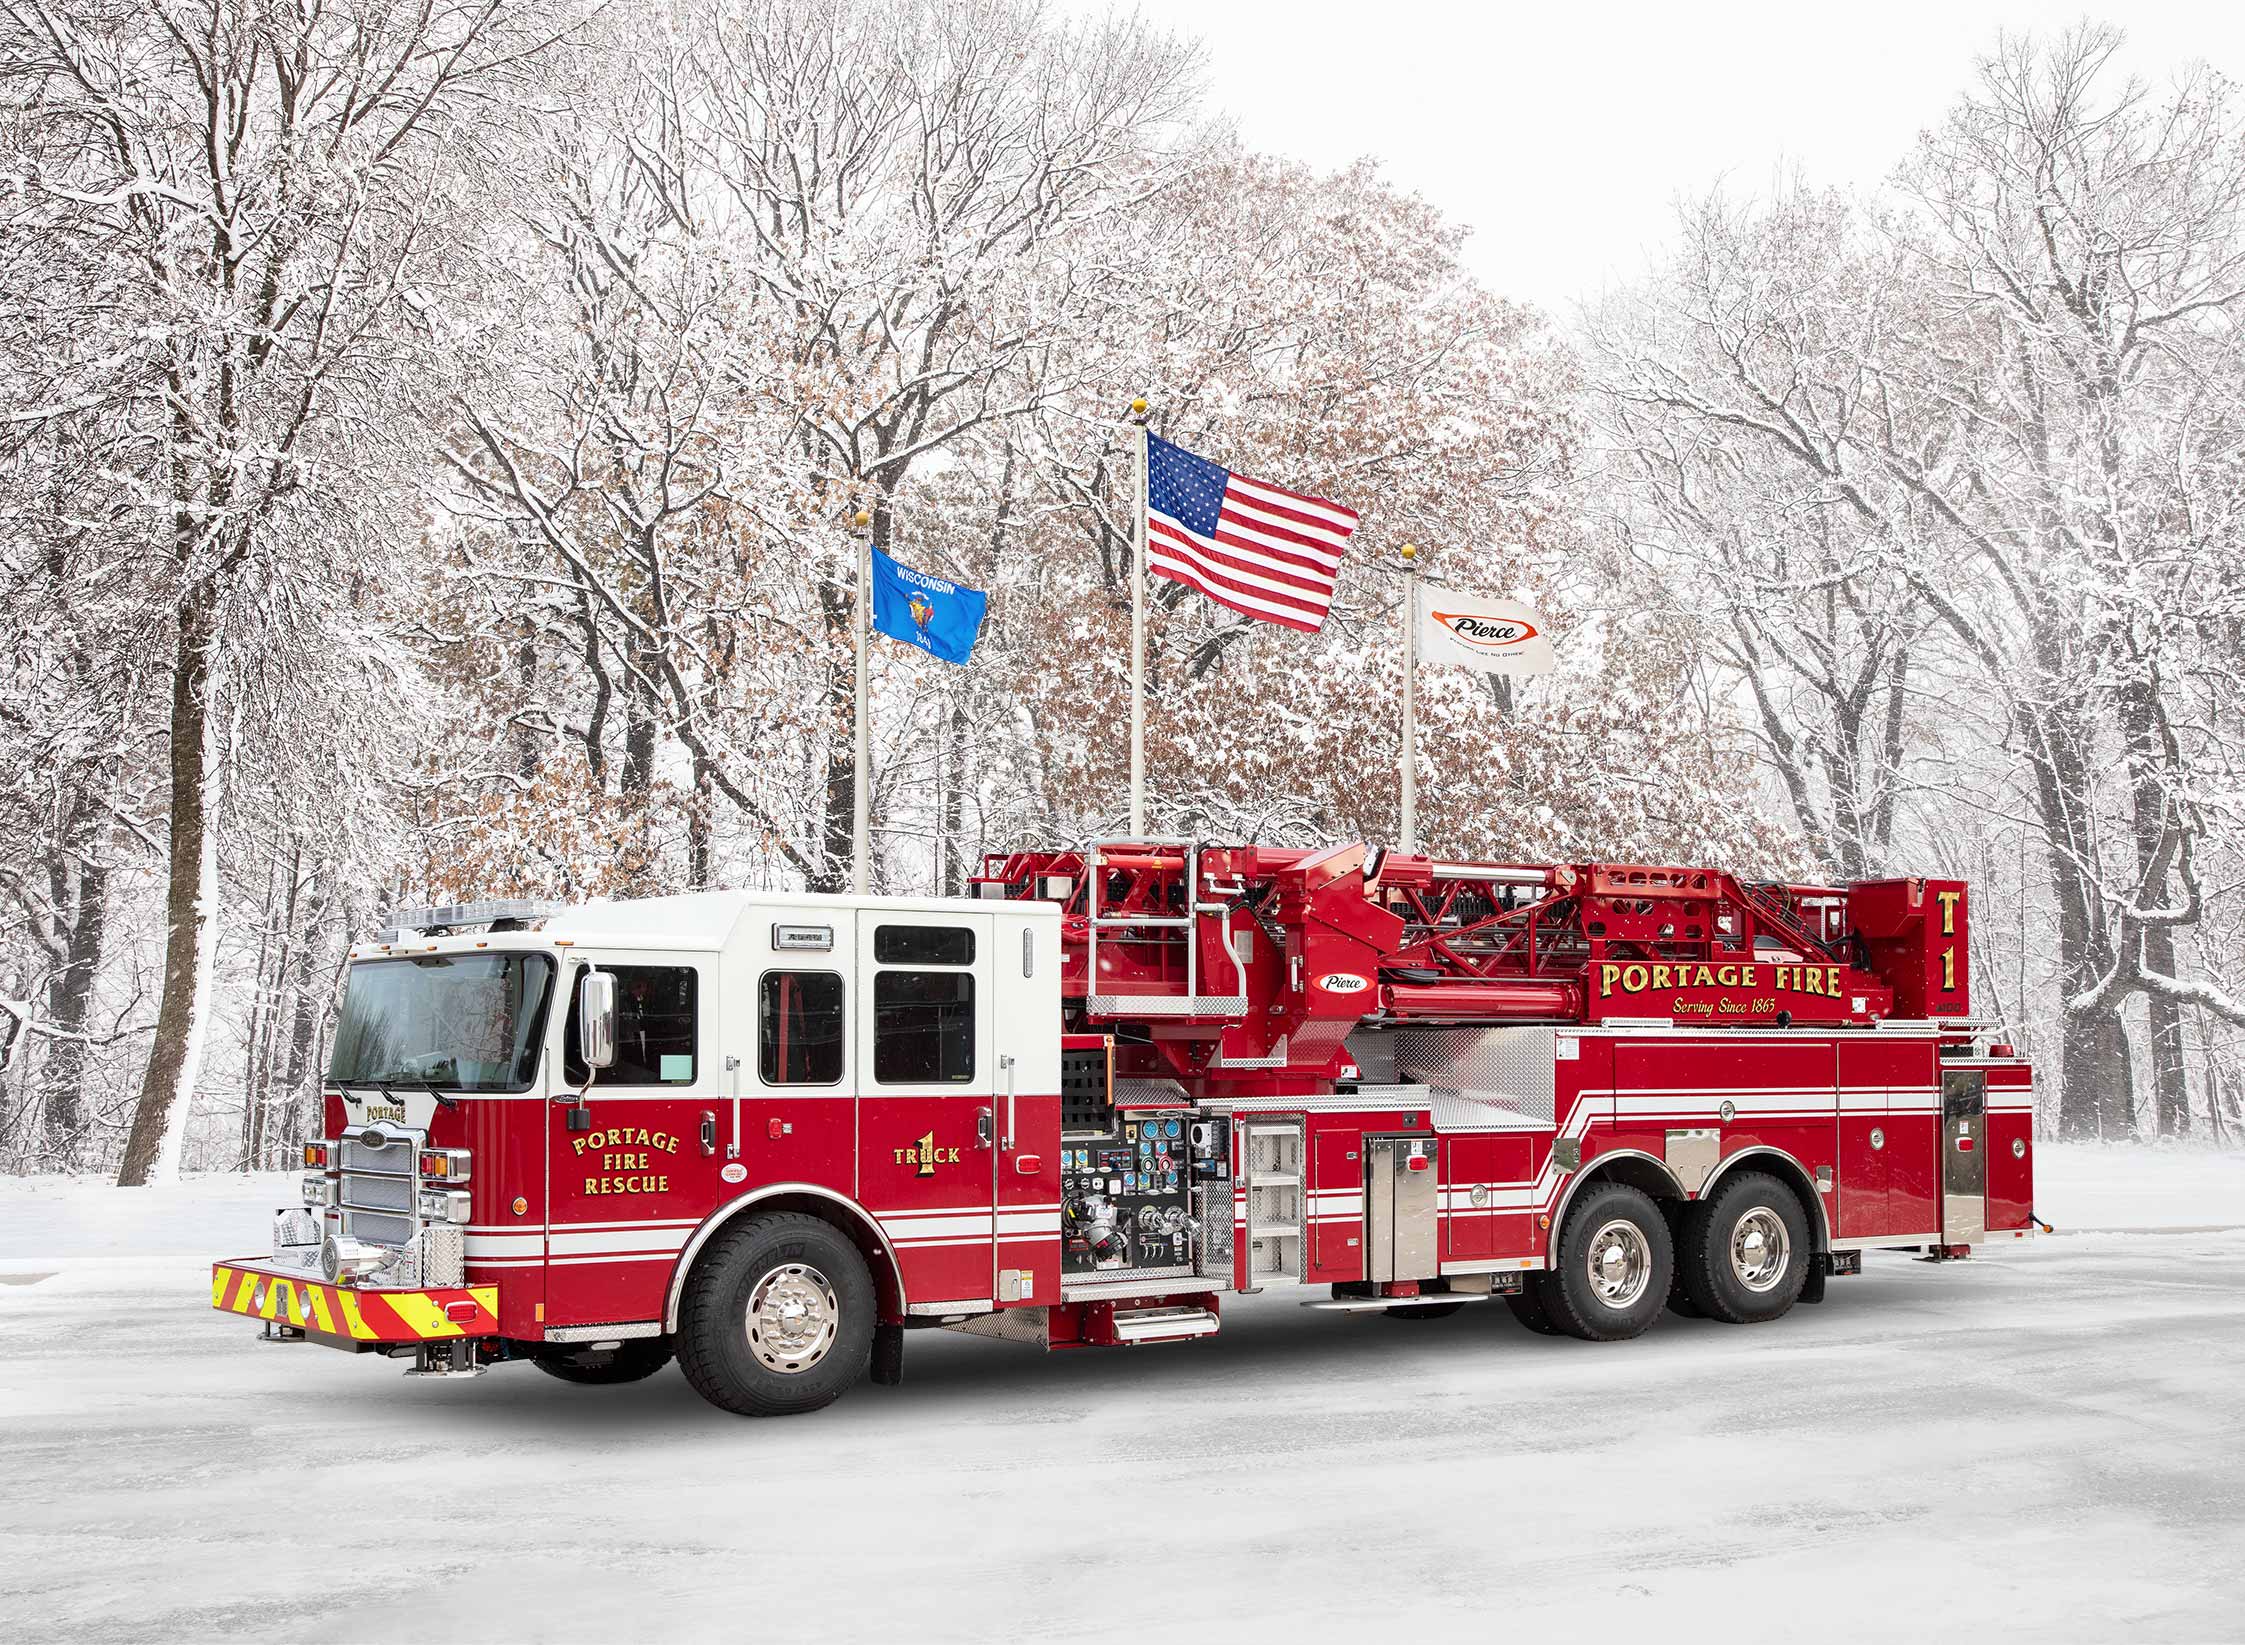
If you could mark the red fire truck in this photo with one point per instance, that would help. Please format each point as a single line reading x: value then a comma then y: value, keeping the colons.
x: 769, y: 1135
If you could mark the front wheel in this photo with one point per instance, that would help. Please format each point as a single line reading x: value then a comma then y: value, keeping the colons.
x: 777, y: 1318
x: 1615, y: 1261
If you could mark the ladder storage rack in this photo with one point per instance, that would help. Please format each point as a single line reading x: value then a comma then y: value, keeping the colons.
x: 1271, y: 1158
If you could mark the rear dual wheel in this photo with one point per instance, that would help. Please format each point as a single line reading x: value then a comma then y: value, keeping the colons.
x: 1745, y: 1251
x: 1612, y: 1272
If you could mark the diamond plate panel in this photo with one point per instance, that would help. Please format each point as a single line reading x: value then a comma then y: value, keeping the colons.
x: 1027, y: 1325
x: 1515, y: 1066
x: 444, y: 1249
x: 1212, y: 1208
x: 605, y: 1333
x: 1166, y: 1005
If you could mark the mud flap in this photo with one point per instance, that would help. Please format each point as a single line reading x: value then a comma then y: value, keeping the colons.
x: 888, y: 1355
x: 1812, y: 1287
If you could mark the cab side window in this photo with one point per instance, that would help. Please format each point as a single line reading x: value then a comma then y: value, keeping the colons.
x: 923, y: 1018
x: 799, y: 1028
x: 656, y: 1022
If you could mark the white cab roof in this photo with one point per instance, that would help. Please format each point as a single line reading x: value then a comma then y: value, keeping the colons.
x: 706, y: 920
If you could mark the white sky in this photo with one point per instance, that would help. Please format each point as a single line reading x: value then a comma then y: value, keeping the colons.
x: 1562, y: 134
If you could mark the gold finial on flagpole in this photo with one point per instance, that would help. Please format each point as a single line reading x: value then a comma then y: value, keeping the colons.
x: 1138, y: 408
x: 861, y: 519
x: 1409, y: 551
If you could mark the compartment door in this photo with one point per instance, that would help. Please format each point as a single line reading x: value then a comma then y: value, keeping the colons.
x: 1964, y: 1156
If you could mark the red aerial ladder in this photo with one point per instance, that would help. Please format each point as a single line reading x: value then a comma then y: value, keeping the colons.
x: 772, y: 1134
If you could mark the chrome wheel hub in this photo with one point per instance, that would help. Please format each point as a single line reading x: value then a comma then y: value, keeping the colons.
x: 1760, y: 1249
x: 1621, y: 1263
x: 792, y: 1318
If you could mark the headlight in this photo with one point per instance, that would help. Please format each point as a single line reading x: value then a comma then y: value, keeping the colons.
x: 448, y: 1207
x: 318, y: 1188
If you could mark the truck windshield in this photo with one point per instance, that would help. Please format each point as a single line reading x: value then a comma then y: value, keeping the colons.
x: 459, y: 1022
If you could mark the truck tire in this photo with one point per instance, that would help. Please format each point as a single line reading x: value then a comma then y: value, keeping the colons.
x: 1527, y: 1306
x: 1614, y: 1265
x: 1746, y: 1252
x: 1678, y: 1213
x: 632, y: 1361
x: 777, y: 1317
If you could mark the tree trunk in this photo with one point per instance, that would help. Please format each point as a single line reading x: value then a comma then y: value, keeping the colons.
x: 263, y: 997
x: 2095, y: 1087
x: 526, y: 686
x: 159, y: 1125
x: 69, y: 1002
x: 2170, y: 1079
x: 838, y: 792
x: 700, y: 848
x: 2154, y: 823
x: 299, y: 1078
x: 950, y: 878
x: 637, y: 780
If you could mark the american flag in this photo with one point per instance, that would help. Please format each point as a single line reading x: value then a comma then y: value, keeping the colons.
x: 1262, y: 550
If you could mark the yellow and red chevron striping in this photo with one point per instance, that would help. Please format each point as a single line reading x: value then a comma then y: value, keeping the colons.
x: 359, y: 1316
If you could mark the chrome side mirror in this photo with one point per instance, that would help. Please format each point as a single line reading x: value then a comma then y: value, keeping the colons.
x: 596, y: 1018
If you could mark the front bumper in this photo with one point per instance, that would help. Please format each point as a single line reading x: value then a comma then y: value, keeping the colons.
x: 350, y: 1316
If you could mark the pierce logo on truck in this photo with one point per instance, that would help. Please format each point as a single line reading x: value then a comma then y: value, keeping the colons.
x: 1343, y: 982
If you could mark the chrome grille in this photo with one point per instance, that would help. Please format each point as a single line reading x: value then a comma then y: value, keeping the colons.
x: 378, y: 1190
x: 375, y: 1229
x: 394, y: 1159
x: 365, y: 1193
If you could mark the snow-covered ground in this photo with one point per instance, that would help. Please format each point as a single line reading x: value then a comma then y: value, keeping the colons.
x: 2044, y: 1445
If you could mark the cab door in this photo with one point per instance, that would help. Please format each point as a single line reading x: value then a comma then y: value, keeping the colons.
x: 927, y: 1084
x: 627, y: 1171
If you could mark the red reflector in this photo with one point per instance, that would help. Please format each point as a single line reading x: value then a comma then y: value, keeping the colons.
x: 1419, y: 1162
x: 460, y: 1313
x: 775, y: 1129
x: 1028, y: 1164
x: 1964, y: 1145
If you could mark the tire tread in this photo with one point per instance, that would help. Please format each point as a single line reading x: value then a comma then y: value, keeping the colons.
x: 704, y: 1320
x: 1700, y: 1251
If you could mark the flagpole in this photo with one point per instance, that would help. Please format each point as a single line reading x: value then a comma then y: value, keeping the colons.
x: 1410, y: 756
x: 1138, y: 635
x: 861, y: 780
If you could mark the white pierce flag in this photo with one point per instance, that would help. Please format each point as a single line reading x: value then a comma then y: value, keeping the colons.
x: 1473, y: 631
